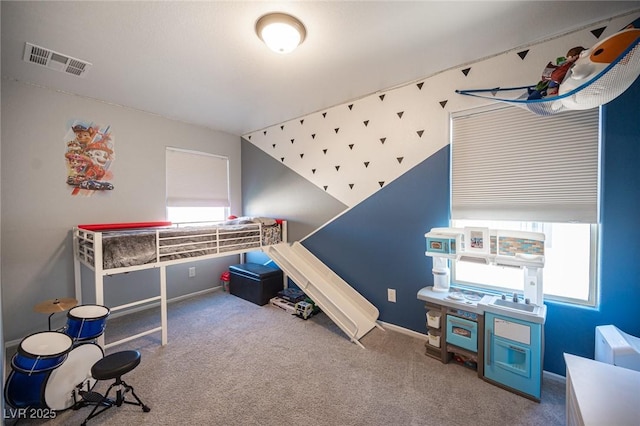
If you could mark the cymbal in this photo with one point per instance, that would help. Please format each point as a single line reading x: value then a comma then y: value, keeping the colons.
x: 52, y: 306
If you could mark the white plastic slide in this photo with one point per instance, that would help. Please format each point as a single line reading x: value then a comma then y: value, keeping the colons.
x: 345, y: 306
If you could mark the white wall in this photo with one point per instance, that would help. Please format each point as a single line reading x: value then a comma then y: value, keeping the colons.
x: 38, y: 210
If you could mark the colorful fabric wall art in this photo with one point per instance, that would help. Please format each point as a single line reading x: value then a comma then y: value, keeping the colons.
x: 89, y: 155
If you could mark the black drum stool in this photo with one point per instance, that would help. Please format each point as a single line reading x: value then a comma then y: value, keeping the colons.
x: 110, y: 367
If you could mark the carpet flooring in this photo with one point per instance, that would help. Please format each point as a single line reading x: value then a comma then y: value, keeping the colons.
x: 230, y: 362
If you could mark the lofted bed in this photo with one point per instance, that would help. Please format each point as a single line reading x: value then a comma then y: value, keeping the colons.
x: 109, y: 249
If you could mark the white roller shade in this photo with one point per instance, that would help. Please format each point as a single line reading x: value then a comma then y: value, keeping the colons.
x: 510, y: 164
x: 196, y: 179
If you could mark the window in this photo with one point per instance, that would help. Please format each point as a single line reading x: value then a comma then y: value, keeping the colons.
x: 197, y: 214
x: 197, y: 186
x: 511, y: 169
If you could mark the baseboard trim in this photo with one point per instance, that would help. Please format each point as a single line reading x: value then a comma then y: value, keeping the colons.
x: 403, y: 330
x: 553, y: 376
x: 16, y: 342
x: 169, y: 301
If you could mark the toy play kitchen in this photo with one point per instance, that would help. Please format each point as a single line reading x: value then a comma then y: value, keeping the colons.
x: 503, y: 336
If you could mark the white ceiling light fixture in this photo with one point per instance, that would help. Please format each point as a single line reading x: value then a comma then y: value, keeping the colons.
x: 282, y: 33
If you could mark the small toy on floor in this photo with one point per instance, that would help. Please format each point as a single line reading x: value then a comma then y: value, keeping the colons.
x: 305, y: 309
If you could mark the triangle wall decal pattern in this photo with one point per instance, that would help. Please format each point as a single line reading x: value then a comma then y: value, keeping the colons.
x: 598, y: 32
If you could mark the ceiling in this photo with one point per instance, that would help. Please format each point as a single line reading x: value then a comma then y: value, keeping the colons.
x: 202, y: 63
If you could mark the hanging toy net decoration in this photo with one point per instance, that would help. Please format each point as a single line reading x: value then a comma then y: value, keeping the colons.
x: 579, y: 93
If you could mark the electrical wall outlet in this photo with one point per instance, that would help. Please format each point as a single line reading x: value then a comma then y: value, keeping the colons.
x: 391, y: 295
x: 192, y: 272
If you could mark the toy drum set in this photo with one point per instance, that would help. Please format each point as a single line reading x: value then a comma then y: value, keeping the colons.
x: 50, y: 368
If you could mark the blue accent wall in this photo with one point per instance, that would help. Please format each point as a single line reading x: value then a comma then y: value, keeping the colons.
x: 380, y: 244
x: 570, y: 329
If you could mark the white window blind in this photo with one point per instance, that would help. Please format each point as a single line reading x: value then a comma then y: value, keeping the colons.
x: 196, y: 179
x: 510, y: 164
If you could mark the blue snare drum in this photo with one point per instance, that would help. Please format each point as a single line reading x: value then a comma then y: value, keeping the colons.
x: 86, y: 322
x: 42, y: 351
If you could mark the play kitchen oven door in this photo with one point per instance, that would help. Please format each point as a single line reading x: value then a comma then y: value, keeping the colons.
x: 462, y: 332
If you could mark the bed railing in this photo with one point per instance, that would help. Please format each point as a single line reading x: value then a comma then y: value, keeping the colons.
x: 175, y: 248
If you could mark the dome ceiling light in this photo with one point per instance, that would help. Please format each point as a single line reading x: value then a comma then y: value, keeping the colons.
x: 282, y: 33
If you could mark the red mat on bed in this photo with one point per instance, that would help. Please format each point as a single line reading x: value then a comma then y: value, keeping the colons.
x: 128, y: 225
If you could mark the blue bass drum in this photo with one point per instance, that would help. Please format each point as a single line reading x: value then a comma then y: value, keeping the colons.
x: 73, y: 375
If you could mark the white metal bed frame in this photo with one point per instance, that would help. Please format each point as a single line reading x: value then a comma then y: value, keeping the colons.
x: 87, y: 249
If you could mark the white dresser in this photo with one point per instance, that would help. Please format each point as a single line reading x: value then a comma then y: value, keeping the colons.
x: 601, y: 394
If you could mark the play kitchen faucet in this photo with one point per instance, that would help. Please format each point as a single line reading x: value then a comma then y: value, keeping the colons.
x: 515, y: 298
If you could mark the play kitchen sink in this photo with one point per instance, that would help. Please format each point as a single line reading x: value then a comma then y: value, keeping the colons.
x: 508, y: 307
x: 514, y: 305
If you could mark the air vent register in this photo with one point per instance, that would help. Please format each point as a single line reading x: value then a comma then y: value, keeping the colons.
x: 55, y: 61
